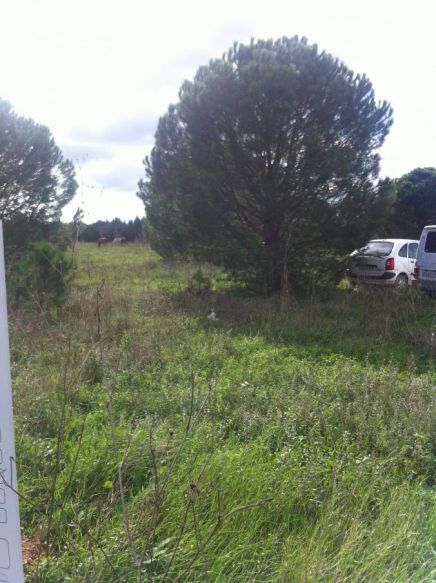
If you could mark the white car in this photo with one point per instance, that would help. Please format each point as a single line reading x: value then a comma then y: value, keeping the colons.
x: 384, y: 262
x: 425, y: 270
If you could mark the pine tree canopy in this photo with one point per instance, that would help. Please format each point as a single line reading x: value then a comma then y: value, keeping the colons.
x: 35, y: 180
x: 269, y: 156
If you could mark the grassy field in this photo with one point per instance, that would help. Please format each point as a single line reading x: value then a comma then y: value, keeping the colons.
x: 281, y: 442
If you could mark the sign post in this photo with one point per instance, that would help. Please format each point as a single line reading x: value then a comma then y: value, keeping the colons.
x: 11, y: 559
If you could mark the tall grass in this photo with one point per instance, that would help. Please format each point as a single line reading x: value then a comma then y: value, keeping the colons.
x: 275, y: 443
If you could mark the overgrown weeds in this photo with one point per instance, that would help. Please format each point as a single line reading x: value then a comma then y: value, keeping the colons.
x: 277, y: 442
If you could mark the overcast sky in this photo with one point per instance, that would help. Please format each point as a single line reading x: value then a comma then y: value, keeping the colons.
x: 99, y: 74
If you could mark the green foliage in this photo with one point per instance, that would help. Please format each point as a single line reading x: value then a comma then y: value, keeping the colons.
x: 21, y: 232
x: 35, y: 180
x: 270, y: 152
x: 200, y: 283
x: 41, y: 276
x: 415, y: 203
x: 310, y: 454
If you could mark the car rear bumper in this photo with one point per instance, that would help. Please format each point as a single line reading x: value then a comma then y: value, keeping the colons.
x: 388, y: 278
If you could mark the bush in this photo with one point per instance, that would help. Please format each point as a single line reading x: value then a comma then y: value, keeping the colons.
x: 199, y: 284
x: 41, y: 276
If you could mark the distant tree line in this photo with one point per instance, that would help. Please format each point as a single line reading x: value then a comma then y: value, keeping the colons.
x: 131, y: 230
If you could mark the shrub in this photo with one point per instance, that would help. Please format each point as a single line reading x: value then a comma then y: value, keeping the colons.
x: 41, y: 276
x: 199, y: 284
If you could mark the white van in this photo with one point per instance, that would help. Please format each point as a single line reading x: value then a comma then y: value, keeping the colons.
x: 425, y: 271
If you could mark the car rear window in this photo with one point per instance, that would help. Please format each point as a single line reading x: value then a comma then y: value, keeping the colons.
x: 430, y: 242
x: 403, y: 251
x: 380, y: 248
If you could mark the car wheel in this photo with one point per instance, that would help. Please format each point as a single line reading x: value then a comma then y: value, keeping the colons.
x: 402, y: 281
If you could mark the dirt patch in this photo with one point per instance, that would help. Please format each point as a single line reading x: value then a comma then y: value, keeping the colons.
x: 32, y: 549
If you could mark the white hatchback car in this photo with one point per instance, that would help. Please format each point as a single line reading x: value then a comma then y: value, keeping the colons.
x: 384, y: 262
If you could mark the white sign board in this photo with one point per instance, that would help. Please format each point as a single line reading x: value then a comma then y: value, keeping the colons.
x: 11, y: 560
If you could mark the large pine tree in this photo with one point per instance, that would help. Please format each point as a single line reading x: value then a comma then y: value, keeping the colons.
x: 268, y: 160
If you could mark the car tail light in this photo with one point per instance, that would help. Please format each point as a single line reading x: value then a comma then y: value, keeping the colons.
x: 390, y: 264
x: 416, y: 271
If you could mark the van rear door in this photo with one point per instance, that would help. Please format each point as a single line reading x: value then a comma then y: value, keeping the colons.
x: 428, y: 259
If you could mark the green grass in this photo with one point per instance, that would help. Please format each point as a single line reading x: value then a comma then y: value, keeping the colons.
x: 310, y: 453
x: 137, y: 269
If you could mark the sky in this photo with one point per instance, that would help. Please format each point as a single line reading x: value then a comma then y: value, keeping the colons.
x: 100, y: 74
